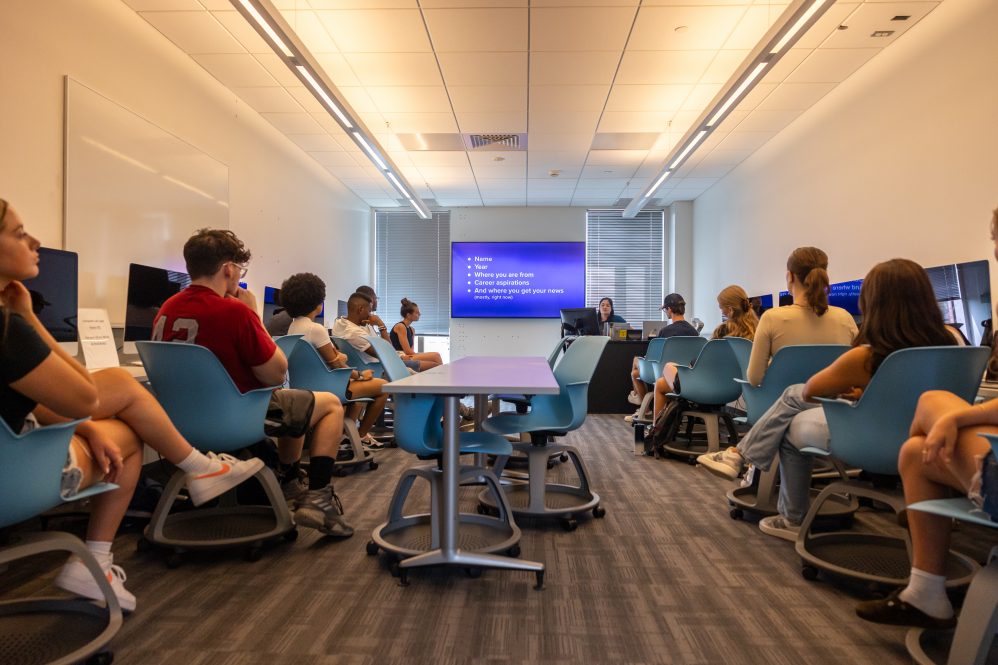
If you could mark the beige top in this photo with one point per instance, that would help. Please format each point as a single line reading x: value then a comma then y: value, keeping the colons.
x: 796, y: 324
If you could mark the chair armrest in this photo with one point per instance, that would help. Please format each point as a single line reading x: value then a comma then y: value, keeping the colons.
x: 741, y: 381
x: 576, y: 383
x: 835, y: 400
x: 817, y: 452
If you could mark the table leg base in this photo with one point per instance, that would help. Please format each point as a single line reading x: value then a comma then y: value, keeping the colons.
x: 461, y: 558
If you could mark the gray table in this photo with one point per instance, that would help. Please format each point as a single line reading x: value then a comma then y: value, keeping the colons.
x: 473, y: 375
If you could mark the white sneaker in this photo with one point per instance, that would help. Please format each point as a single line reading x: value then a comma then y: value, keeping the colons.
x: 726, y: 463
x: 206, y: 486
x: 370, y: 443
x: 777, y: 525
x: 634, y: 398
x: 76, y: 578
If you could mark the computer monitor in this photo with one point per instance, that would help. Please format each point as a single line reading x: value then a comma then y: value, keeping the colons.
x: 148, y: 289
x: 54, y: 295
x: 580, y: 321
x: 761, y: 303
x: 786, y: 299
x: 341, y: 308
x: 846, y: 295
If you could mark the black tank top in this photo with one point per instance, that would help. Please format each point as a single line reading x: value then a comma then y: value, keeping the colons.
x: 395, y: 338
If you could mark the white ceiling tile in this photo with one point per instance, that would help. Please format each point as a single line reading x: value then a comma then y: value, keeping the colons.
x: 277, y: 68
x: 410, y: 99
x: 564, y: 121
x: 556, y: 158
x: 244, y: 33
x: 194, y: 32
x: 635, y: 121
x: 576, y: 68
x: 421, y: 123
x: 795, y: 96
x: 876, y: 16
x: 274, y: 99
x: 306, y: 99
x: 499, y: 172
x: 701, y: 96
x: 359, y: 4
x: 311, y: 31
x: 438, y: 158
x: 702, y: 184
x: 485, y: 99
x: 542, y: 171
x: 445, y: 173
x: 647, y: 97
x: 729, y: 157
x: 786, y: 65
x: 328, y: 123
x: 663, y: 67
x: 745, y: 140
x: 621, y: 158
x: 358, y: 99
x: 506, y: 158
x: 580, y: 28
x: 470, y: 30
x: 558, y: 142
x: 594, y: 178
x: 575, y: 97
x: 459, y: 203
x: 604, y: 202
x: 334, y: 158
x: 827, y: 25
x: 724, y: 66
x: 499, y: 69
x: 316, y: 142
x: 348, y: 172
x: 449, y: 4
x: 711, y: 170
x: 753, y: 25
x: 337, y: 69
x: 376, y: 30
x: 503, y: 122
x: 755, y: 96
x: 705, y: 28
x: 236, y: 70
x: 395, y: 69
x: 163, y: 5
x: 293, y: 123
x: 551, y: 185
x: 827, y: 65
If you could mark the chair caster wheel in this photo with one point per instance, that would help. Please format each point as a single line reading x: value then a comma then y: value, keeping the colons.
x: 513, y: 551
x: 339, y: 472
x: 253, y: 553
x: 569, y: 524
x: 736, y: 513
x: 473, y: 573
x: 102, y: 658
x: 143, y: 545
x: 403, y: 577
x: 394, y: 568
x: 692, y: 461
x: 174, y: 560
x: 482, y: 510
x: 540, y: 580
x: 809, y: 573
x: 564, y: 457
x: 599, y: 512
x: 372, y: 465
x: 372, y: 548
x: 291, y: 536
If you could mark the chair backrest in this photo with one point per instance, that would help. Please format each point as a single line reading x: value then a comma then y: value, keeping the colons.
x: 200, y: 397
x: 308, y: 371
x: 394, y: 368
x: 567, y: 410
x: 709, y: 382
x: 286, y: 343
x: 868, y: 434
x: 31, y: 470
x: 743, y: 351
x: 790, y: 365
x: 555, y: 353
x: 682, y: 349
x: 653, y: 354
x: 354, y: 357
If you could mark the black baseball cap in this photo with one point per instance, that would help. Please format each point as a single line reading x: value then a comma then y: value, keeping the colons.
x: 673, y: 301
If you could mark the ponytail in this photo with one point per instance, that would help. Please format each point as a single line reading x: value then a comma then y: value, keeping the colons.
x: 809, y: 265
x: 743, y: 320
x: 816, y: 290
x: 408, y: 307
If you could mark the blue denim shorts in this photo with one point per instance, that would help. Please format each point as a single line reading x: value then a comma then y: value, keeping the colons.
x: 984, y: 487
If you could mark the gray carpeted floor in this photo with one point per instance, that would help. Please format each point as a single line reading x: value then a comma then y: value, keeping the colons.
x: 665, y: 577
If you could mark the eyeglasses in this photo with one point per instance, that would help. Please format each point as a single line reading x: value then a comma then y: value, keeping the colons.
x: 242, y: 269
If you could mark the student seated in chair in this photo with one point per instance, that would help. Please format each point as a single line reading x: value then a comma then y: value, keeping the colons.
x: 739, y: 321
x: 39, y: 378
x: 675, y: 310
x: 899, y: 312
x: 373, y: 325
x: 215, y: 312
x: 302, y: 295
x: 945, y: 453
x: 403, y: 336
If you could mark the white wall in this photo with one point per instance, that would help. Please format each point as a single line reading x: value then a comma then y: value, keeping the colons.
x: 292, y: 214
x: 511, y: 337
x: 898, y: 161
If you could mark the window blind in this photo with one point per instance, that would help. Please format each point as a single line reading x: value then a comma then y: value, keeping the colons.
x: 412, y: 260
x: 944, y: 282
x: 625, y: 261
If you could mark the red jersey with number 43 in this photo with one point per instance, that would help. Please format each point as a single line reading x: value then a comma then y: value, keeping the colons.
x: 226, y: 326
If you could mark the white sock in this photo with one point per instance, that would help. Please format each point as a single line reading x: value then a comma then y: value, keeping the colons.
x: 927, y: 592
x: 198, y: 463
x: 101, y: 550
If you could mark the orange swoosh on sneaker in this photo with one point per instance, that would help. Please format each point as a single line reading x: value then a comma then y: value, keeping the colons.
x: 110, y: 577
x: 221, y: 472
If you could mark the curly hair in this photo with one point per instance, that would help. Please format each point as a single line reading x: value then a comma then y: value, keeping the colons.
x: 302, y: 293
x: 208, y: 249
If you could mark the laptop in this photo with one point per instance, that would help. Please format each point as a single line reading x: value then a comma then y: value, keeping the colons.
x: 650, y: 329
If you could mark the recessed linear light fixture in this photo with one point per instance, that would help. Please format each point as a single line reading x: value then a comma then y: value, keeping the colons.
x: 800, y: 16
x: 267, y: 21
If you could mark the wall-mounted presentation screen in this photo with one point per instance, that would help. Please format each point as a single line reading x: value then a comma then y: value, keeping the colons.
x: 148, y: 289
x: 845, y: 295
x: 54, y: 295
x: 761, y: 303
x: 517, y: 280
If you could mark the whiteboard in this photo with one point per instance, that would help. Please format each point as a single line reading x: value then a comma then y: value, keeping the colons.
x: 134, y: 193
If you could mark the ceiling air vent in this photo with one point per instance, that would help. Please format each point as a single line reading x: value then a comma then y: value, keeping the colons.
x: 495, y: 142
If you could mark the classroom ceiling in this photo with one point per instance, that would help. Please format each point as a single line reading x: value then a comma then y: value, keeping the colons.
x: 601, y: 89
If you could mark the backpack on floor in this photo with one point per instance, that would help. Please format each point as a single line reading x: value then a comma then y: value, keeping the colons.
x: 666, y: 425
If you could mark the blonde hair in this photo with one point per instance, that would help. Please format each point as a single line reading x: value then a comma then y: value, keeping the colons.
x: 743, y: 320
x: 994, y: 224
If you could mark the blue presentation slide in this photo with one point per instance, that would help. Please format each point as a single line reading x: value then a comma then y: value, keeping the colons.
x: 523, y: 280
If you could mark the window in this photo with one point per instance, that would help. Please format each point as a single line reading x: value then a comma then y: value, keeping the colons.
x: 412, y: 260
x: 624, y: 261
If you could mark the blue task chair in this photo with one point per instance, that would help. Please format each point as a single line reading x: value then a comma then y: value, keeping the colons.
x: 742, y: 349
x: 707, y: 386
x: 418, y: 431
x: 791, y: 365
x: 48, y: 630
x: 972, y: 641
x: 205, y: 405
x: 549, y: 416
x: 868, y: 435
x: 679, y: 350
x: 356, y: 359
x: 308, y: 371
x: 287, y: 343
x: 647, y: 375
x: 522, y: 402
